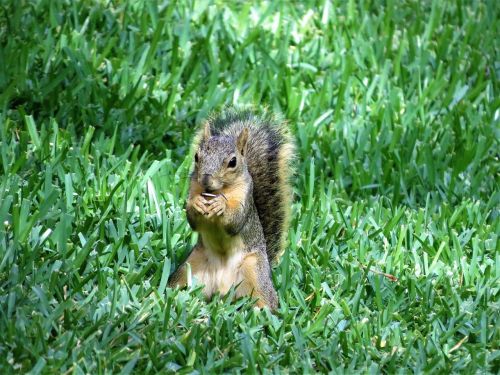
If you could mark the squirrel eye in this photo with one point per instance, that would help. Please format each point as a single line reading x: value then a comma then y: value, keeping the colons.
x: 232, y: 162
x: 196, y: 157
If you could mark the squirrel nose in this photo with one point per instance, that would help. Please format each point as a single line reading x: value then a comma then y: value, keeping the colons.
x: 205, y: 181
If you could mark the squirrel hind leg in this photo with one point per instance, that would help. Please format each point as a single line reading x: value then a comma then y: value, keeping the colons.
x: 256, y: 281
x: 197, y: 260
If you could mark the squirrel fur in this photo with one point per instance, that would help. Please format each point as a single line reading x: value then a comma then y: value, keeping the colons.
x: 239, y: 203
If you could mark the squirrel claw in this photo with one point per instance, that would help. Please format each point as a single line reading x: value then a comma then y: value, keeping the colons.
x: 199, y: 204
x: 217, y: 206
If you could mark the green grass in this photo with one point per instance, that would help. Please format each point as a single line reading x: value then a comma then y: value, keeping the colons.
x: 395, y: 107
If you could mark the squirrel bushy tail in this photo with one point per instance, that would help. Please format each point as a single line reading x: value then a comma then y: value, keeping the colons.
x: 270, y: 152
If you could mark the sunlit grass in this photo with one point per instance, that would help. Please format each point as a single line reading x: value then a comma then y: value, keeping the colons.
x: 393, y: 261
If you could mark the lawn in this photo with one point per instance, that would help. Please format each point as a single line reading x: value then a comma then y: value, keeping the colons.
x: 393, y: 262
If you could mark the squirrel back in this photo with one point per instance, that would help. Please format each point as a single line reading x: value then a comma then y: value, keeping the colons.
x: 270, y: 151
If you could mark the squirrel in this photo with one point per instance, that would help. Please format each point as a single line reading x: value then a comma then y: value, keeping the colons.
x: 239, y: 202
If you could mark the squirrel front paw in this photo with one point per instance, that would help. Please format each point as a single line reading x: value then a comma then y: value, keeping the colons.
x: 200, y: 205
x: 216, y: 206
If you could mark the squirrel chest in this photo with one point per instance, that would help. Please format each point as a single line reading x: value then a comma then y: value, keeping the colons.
x: 220, y: 261
x: 217, y: 241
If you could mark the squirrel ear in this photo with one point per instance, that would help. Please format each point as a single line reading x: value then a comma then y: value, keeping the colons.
x: 206, y: 132
x: 241, y: 142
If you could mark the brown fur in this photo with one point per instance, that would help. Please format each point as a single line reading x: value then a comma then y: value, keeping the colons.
x: 286, y: 154
x: 245, y: 160
x: 248, y: 269
x: 218, y: 273
x: 235, y: 195
x: 195, y: 188
x: 270, y: 153
x: 197, y: 260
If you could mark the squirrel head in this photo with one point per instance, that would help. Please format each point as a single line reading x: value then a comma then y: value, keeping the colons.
x: 220, y: 160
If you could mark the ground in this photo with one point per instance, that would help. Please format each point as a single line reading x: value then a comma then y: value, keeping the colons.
x: 393, y: 260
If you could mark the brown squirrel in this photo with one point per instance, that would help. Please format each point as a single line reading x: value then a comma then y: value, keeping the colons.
x: 239, y: 203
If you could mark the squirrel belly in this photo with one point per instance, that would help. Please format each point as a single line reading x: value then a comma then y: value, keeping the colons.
x: 238, y: 202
